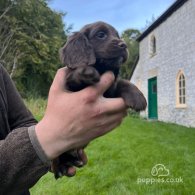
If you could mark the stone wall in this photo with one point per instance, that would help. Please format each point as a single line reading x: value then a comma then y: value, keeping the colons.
x: 175, y: 45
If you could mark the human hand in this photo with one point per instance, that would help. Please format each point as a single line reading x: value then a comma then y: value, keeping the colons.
x: 72, y: 120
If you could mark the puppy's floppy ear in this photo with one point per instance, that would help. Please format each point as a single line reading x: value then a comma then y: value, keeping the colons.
x: 77, y: 51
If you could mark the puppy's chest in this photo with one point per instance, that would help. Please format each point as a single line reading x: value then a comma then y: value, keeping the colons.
x: 103, y: 66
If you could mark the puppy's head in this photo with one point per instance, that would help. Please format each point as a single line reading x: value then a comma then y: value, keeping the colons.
x: 96, y: 41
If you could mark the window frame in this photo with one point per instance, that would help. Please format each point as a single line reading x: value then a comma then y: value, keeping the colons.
x: 152, y: 45
x: 181, y: 90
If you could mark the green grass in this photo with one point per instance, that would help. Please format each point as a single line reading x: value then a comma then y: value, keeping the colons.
x: 36, y: 106
x: 117, y: 160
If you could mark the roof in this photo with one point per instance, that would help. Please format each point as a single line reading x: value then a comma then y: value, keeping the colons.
x: 175, y: 6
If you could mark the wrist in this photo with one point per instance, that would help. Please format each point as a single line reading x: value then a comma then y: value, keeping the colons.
x: 50, y: 141
x: 37, y: 147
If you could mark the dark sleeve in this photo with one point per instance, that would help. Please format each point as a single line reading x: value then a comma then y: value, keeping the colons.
x: 17, y: 113
x: 22, y: 160
x: 20, y: 164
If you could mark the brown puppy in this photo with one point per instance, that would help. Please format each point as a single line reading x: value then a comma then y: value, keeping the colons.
x: 89, y: 53
x: 97, y: 48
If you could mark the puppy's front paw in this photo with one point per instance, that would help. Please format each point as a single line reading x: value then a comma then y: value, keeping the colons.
x: 132, y: 96
x: 88, y: 75
x: 82, y: 77
x: 135, y: 100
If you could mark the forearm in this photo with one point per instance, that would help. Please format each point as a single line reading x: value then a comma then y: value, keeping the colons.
x: 20, y: 163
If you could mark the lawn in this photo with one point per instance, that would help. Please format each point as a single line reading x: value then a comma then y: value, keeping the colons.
x: 120, y: 163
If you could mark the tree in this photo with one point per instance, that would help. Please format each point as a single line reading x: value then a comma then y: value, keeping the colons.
x: 36, y: 33
x: 130, y: 36
x: 149, y: 22
x: 7, y: 47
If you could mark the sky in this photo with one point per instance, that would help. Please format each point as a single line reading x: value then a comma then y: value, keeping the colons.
x: 122, y: 14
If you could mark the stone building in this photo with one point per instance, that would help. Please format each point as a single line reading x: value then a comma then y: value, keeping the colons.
x: 165, y: 71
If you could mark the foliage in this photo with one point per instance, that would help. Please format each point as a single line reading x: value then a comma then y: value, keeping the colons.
x: 149, y: 23
x: 30, y: 37
x: 36, y: 33
x: 130, y: 36
x: 118, y: 159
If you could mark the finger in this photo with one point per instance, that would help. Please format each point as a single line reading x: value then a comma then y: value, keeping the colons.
x: 91, y: 93
x: 106, y: 129
x: 59, y: 80
x: 117, y: 117
x: 110, y: 106
x: 105, y: 82
x: 106, y: 120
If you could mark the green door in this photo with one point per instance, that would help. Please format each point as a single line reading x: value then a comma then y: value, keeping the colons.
x: 152, y: 99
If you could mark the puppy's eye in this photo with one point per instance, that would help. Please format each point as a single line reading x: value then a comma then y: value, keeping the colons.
x: 101, y: 35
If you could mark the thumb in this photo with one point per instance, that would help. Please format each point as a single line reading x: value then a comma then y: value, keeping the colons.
x: 105, y: 82
x: 59, y: 80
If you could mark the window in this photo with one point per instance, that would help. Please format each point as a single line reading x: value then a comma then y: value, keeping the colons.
x: 152, y: 45
x: 181, y: 90
x: 154, y: 88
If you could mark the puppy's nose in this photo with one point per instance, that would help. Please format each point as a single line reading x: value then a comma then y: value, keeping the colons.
x: 122, y: 45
